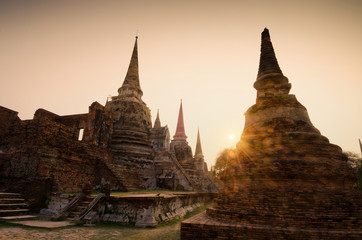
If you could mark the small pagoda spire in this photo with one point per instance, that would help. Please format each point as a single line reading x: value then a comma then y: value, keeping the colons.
x: 198, y: 150
x: 132, y: 77
x: 268, y: 62
x: 270, y: 81
x: 360, y: 145
x: 180, y: 129
x: 157, y: 121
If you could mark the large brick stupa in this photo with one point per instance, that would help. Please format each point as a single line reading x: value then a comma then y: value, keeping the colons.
x: 284, y: 180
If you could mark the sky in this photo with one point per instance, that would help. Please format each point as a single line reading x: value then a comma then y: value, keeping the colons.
x: 64, y: 55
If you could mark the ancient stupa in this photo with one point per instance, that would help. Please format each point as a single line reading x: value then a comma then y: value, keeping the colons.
x: 200, y: 163
x: 131, y: 135
x: 285, y: 181
x: 179, y: 144
x: 132, y: 117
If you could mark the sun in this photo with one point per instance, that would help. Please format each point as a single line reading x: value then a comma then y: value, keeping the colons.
x: 231, y: 136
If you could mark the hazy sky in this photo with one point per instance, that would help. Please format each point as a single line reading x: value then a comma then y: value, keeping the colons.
x: 64, y: 55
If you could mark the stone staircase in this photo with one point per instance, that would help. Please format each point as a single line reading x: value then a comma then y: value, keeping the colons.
x: 183, y: 170
x: 13, y: 206
x: 80, y: 206
x: 126, y: 175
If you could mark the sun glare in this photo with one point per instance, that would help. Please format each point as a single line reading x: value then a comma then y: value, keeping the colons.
x: 231, y: 137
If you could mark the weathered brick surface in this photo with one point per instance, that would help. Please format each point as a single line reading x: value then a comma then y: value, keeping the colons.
x: 202, y: 226
x: 284, y: 180
x: 46, y: 148
x: 8, y: 118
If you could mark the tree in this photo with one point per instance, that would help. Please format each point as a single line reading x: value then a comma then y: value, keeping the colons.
x: 356, y: 163
x: 222, y: 161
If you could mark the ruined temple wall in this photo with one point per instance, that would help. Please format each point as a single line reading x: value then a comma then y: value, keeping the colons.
x: 43, y: 148
x: 44, y: 114
x: 34, y: 132
x: 68, y: 171
x: 97, y: 123
x: 71, y: 171
x: 76, y: 120
x: 100, y: 125
x: 8, y: 118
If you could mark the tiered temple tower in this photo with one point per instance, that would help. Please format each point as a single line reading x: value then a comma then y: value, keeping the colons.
x: 179, y: 145
x: 194, y: 166
x: 286, y: 180
x: 200, y: 163
x: 160, y: 136
x: 131, y: 137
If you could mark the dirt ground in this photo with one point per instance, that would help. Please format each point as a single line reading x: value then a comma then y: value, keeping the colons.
x: 103, y: 231
x: 111, y: 231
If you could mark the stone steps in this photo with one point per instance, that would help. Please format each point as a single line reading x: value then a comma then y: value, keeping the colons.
x: 9, y: 218
x: 13, y: 200
x: 74, y: 214
x: 9, y: 195
x: 13, y: 206
x: 82, y: 204
x: 11, y: 212
x: 128, y: 177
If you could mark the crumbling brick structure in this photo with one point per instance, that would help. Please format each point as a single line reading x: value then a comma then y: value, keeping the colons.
x: 47, y: 147
x: 286, y: 180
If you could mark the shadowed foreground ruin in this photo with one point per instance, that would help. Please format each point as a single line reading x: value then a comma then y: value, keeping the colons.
x: 286, y: 180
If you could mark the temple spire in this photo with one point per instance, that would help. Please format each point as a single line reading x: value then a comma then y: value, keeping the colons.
x: 268, y: 62
x: 157, y: 121
x: 270, y: 81
x: 360, y: 145
x: 198, y: 150
x: 132, y: 77
x: 180, y: 129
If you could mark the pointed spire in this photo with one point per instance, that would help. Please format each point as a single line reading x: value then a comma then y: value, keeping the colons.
x: 180, y: 129
x: 360, y: 145
x: 157, y: 121
x: 268, y: 62
x: 270, y: 81
x: 198, y: 150
x: 132, y: 78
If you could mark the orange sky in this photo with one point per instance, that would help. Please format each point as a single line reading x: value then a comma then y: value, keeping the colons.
x: 64, y: 55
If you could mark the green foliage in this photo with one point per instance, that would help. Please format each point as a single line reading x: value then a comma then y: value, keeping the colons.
x: 222, y: 162
x: 356, y: 163
x: 358, y: 183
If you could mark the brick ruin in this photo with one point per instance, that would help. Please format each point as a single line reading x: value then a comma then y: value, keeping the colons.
x: 286, y: 180
x: 114, y: 143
